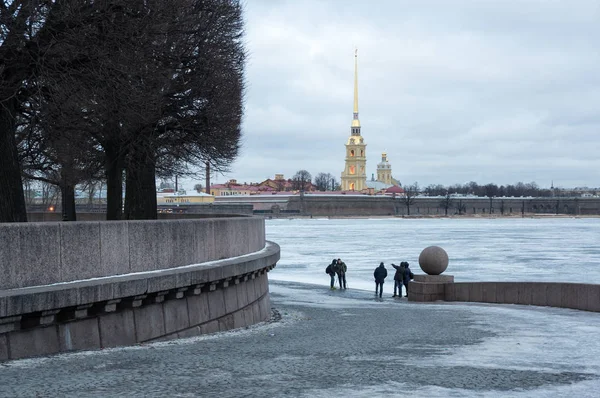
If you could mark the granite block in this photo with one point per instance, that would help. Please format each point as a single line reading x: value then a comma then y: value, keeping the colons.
x: 33, y: 342
x: 461, y: 292
x: 230, y: 296
x: 79, y: 335
x: 3, y: 347
x: 198, y: 309
x: 216, y: 304
x: 582, y: 296
x: 114, y: 247
x: 524, y: 293
x: 143, y: 249
x: 239, y: 321
x: 80, y: 251
x: 488, y: 292
x: 205, y: 241
x: 32, y: 255
x: 117, y: 329
x: 511, y: 293
x: 538, y: 294
x: 593, y: 300
x: 569, y: 295
x: 226, y: 323
x: 248, y: 316
x: 149, y: 322
x: 209, y: 327
x: 449, y: 292
x: 176, y: 315
x: 554, y: 294
x: 475, y: 292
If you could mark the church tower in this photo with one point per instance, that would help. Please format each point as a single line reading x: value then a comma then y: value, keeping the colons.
x: 354, y: 177
x: 384, y: 170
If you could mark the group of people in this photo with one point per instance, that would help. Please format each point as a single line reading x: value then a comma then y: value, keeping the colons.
x: 337, y: 267
x: 402, y: 276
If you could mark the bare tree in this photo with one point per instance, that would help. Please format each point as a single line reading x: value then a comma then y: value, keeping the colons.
x: 410, y: 193
x: 301, y: 180
x: 198, y: 188
x: 461, y: 207
x: 446, y: 203
x: 280, y: 185
x: 491, y: 190
x: 324, y: 182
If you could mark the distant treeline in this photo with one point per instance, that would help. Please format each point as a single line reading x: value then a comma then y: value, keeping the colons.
x: 493, y: 190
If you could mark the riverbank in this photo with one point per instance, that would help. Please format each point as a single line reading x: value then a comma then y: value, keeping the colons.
x: 376, y: 347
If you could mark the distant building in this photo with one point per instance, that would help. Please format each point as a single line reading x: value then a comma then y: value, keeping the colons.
x: 354, y: 177
x: 166, y: 199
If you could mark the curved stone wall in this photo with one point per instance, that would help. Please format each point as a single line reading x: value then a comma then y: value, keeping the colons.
x: 229, y: 291
x: 33, y: 254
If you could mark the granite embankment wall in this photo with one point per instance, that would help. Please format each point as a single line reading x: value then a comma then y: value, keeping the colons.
x: 354, y: 205
x: 89, y: 285
x: 579, y: 296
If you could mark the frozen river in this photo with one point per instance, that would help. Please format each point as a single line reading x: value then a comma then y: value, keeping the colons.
x: 515, y: 249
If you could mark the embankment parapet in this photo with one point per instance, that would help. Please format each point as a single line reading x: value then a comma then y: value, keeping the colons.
x: 579, y: 296
x: 33, y: 254
x: 143, y: 301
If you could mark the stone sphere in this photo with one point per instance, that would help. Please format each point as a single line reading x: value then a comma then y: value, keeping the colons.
x: 433, y: 260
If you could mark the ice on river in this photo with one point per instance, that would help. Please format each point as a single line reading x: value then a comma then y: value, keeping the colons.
x: 480, y: 249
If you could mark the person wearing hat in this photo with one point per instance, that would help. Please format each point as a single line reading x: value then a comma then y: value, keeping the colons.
x: 380, y: 274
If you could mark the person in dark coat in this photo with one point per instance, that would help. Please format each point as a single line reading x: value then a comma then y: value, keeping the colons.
x: 331, y: 270
x: 341, y: 273
x: 380, y: 274
x: 399, y: 277
x: 408, y: 275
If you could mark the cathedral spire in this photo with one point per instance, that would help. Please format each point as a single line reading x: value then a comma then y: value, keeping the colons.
x: 355, y: 121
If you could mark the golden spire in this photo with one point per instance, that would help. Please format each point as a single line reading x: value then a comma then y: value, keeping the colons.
x: 355, y: 121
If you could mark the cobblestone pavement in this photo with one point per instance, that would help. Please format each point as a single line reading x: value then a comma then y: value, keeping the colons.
x: 324, y: 344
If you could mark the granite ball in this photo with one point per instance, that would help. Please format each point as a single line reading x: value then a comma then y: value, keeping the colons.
x: 433, y: 260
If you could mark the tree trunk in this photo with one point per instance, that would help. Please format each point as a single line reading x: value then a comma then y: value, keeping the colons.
x: 12, y: 198
x: 67, y: 192
x: 114, y: 182
x: 207, y: 190
x: 140, y: 186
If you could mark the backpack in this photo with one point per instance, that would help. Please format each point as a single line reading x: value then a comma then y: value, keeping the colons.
x: 328, y: 269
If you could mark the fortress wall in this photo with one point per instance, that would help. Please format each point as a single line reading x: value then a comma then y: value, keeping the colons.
x: 340, y: 205
x: 33, y: 254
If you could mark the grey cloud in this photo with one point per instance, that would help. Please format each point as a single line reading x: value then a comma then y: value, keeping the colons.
x: 491, y: 91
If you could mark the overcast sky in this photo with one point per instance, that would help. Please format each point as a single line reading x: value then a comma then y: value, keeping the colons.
x: 454, y: 91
